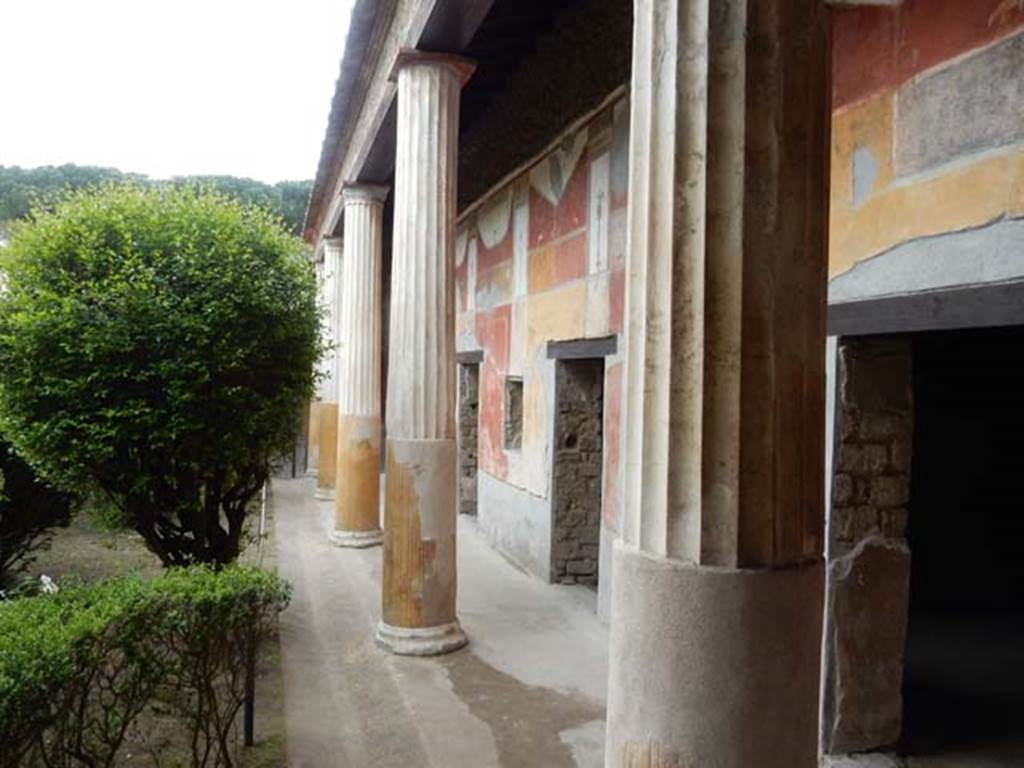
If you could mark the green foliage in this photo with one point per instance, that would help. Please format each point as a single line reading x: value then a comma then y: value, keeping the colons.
x: 79, y: 668
x: 157, y: 345
x: 21, y: 187
x: 29, y: 511
x: 106, y: 515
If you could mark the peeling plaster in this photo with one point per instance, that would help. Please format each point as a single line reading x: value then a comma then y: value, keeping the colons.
x: 461, y: 238
x: 521, y: 240
x: 471, y: 276
x: 600, y: 205
x: 493, y: 220
x: 551, y: 176
x: 989, y: 253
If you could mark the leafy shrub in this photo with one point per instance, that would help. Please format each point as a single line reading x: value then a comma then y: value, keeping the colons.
x: 157, y: 346
x: 29, y: 511
x: 78, y: 668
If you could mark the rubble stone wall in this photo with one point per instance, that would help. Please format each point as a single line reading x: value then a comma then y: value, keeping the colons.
x: 576, y: 504
x: 469, y: 416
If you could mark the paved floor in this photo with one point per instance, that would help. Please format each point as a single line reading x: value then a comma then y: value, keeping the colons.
x: 527, y: 692
x: 1009, y: 757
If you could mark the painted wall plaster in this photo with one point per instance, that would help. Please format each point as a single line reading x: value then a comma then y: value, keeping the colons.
x: 927, y: 147
x: 543, y: 259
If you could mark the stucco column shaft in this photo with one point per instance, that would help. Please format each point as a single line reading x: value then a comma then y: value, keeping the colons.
x: 313, y: 423
x: 313, y: 438
x: 419, y: 577
x: 327, y: 409
x: 717, y: 594
x: 357, y: 495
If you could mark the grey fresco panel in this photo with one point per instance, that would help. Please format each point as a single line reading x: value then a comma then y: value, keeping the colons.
x: 969, y: 106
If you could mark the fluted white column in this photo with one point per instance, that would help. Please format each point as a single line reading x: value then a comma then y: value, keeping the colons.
x: 717, y: 588
x: 327, y: 409
x: 357, y: 495
x: 420, y: 505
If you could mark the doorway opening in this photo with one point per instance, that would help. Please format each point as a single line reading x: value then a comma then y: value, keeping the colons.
x: 469, y: 429
x: 577, y: 471
x: 963, y: 684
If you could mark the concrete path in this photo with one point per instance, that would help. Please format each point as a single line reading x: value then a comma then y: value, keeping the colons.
x: 528, y: 691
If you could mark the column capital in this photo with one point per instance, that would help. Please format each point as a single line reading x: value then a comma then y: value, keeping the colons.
x: 370, y: 193
x: 408, y: 57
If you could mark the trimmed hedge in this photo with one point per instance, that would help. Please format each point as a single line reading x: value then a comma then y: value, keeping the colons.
x: 78, y: 668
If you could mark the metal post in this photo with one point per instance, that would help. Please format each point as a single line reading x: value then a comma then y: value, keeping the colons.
x: 250, y: 691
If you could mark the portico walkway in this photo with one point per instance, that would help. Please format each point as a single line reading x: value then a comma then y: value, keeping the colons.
x: 528, y: 691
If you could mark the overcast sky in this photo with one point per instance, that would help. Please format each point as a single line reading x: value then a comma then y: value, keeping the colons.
x: 169, y: 87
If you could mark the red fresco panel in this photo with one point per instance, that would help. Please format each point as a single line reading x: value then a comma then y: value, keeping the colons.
x: 863, y: 53
x: 492, y: 332
x: 932, y: 31
x: 571, y: 258
x: 491, y: 455
x: 541, y: 218
x: 491, y: 257
x: 571, y: 213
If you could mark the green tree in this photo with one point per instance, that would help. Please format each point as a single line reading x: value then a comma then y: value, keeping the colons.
x: 20, y: 187
x: 157, y: 345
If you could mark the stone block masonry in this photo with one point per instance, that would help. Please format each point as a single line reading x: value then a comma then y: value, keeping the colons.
x: 576, y: 496
x: 869, y: 561
x: 871, y: 485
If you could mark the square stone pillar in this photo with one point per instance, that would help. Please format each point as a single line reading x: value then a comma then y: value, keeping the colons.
x: 357, y: 482
x: 717, y: 596
x: 421, y: 462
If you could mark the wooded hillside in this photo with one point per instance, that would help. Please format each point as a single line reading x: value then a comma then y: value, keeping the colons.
x: 20, y: 186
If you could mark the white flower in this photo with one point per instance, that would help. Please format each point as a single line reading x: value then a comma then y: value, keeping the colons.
x: 49, y: 585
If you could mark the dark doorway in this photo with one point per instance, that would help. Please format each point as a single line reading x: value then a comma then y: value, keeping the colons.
x: 469, y: 428
x: 577, y: 471
x: 964, y: 668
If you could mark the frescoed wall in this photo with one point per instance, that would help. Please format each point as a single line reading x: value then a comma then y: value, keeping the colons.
x: 543, y: 259
x: 927, y: 193
x: 927, y: 146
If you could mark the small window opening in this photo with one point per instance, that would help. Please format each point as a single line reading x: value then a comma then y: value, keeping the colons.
x: 513, y: 413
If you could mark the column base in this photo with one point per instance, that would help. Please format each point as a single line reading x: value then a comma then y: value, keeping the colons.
x: 356, y: 539
x: 421, y: 641
x: 716, y: 667
x: 310, y: 472
x: 323, y: 494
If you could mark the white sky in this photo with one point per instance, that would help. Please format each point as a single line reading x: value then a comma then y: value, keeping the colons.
x: 169, y: 87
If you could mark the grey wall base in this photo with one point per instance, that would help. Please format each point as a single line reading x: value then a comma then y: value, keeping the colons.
x: 516, y: 523
x: 713, y: 667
